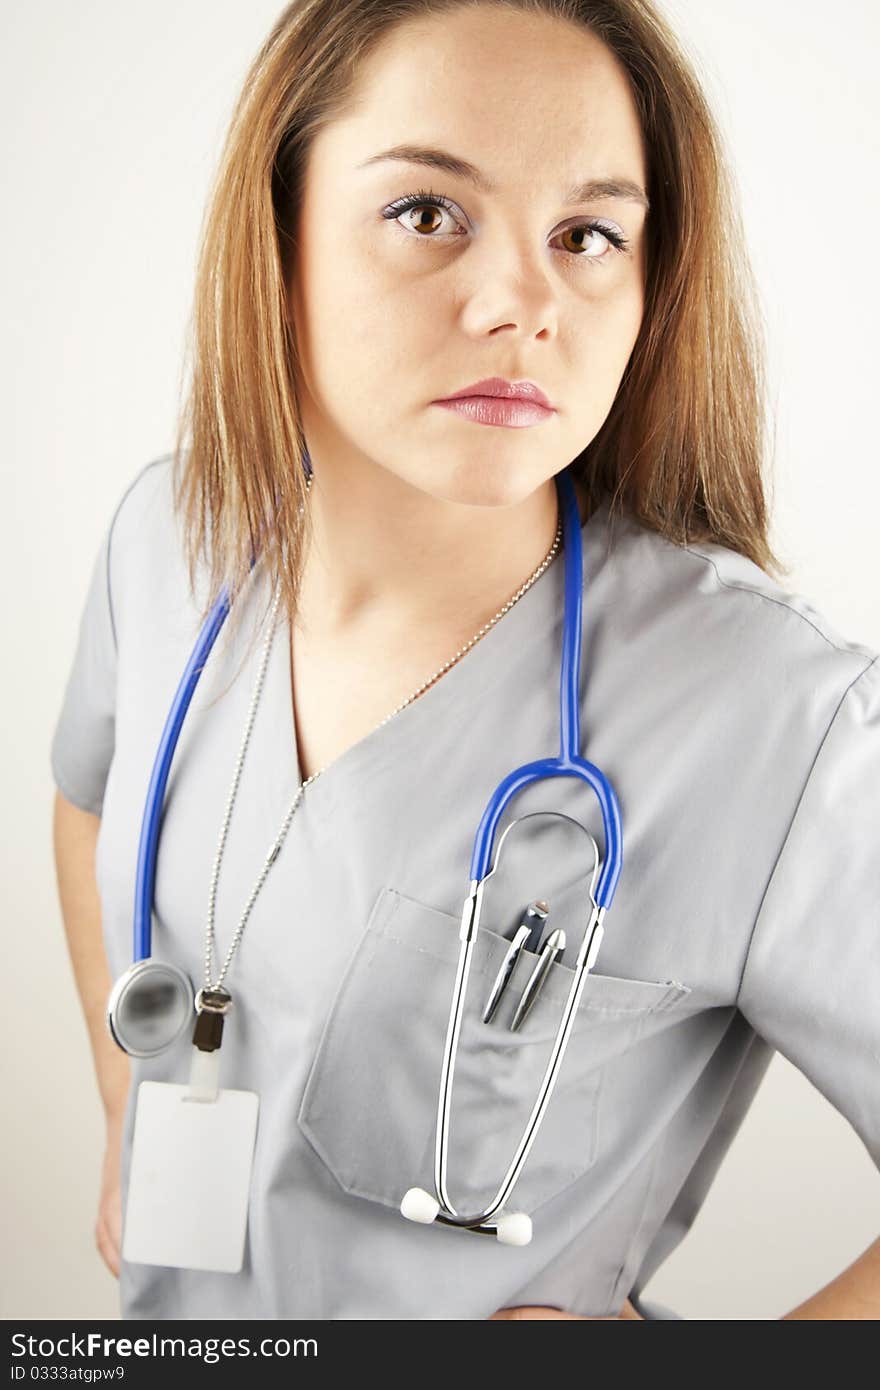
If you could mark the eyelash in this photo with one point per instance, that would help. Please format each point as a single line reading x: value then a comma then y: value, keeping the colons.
x: 424, y: 197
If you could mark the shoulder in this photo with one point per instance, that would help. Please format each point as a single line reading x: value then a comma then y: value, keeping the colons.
x: 727, y: 624
x: 813, y: 666
x: 147, y: 571
x: 784, y: 614
x: 146, y: 500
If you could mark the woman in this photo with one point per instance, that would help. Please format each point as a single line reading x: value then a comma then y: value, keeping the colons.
x: 414, y: 200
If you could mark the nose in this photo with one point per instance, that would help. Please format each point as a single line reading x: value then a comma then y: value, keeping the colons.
x: 513, y: 288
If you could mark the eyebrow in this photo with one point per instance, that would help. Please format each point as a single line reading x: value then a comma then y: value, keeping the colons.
x: 588, y: 191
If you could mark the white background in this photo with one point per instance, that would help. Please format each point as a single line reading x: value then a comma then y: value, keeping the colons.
x: 113, y: 117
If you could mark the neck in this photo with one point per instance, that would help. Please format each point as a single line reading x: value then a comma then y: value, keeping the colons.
x: 383, y: 551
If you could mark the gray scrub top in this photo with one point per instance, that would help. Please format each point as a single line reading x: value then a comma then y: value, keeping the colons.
x: 741, y: 733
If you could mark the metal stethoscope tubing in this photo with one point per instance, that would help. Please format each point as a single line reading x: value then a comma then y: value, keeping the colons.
x: 418, y: 1205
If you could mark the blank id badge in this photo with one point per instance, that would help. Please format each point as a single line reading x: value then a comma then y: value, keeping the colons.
x: 189, y: 1177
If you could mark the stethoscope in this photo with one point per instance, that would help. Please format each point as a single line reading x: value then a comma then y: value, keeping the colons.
x: 153, y: 1001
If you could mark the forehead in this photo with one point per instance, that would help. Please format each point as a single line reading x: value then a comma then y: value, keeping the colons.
x: 514, y: 93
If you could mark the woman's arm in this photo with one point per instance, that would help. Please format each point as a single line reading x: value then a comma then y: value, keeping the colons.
x: 853, y: 1295
x: 75, y: 835
x: 527, y: 1311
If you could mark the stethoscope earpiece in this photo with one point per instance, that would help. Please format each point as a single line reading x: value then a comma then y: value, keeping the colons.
x: 419, y: 1205
x: 510, y: 1227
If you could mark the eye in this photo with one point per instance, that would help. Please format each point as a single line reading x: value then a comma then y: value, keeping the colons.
x: 610, y: 235
x: 587, y: 234
x: 426, y: 202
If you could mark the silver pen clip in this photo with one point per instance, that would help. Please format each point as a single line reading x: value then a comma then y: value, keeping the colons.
x: 553, y: 947
x: 526, y: 937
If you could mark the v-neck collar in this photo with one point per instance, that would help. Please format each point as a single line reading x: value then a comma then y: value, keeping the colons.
x: 484, y: 663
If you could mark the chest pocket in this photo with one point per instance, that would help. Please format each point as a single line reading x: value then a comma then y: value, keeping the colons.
x: 370, y: 1102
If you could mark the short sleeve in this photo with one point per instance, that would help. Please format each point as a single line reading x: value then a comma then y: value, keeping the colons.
x: 811, y: 982
x: 84, y: 737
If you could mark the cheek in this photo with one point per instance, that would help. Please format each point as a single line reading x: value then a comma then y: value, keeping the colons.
x: 605, y: 332
x: 360, y: 318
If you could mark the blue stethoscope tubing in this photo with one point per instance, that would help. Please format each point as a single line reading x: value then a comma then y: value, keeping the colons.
x: 568, y: 764
x: 148, y: 845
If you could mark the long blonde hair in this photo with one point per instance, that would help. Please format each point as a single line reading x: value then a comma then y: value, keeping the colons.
x: 682, y: 447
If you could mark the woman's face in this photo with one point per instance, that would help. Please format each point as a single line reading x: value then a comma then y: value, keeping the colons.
x: 394, y: 309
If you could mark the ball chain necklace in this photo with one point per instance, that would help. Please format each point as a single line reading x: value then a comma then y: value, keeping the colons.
x: 212, y: 1002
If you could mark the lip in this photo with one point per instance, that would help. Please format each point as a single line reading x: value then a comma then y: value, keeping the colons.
x: 500, y: 387
x: 497, y: 401
x: 496, y: 410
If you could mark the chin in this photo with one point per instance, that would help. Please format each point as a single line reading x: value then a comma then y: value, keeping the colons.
x: 484, y: 487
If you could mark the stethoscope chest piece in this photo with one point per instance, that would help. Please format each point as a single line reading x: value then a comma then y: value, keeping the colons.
x: 149, y: 1007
